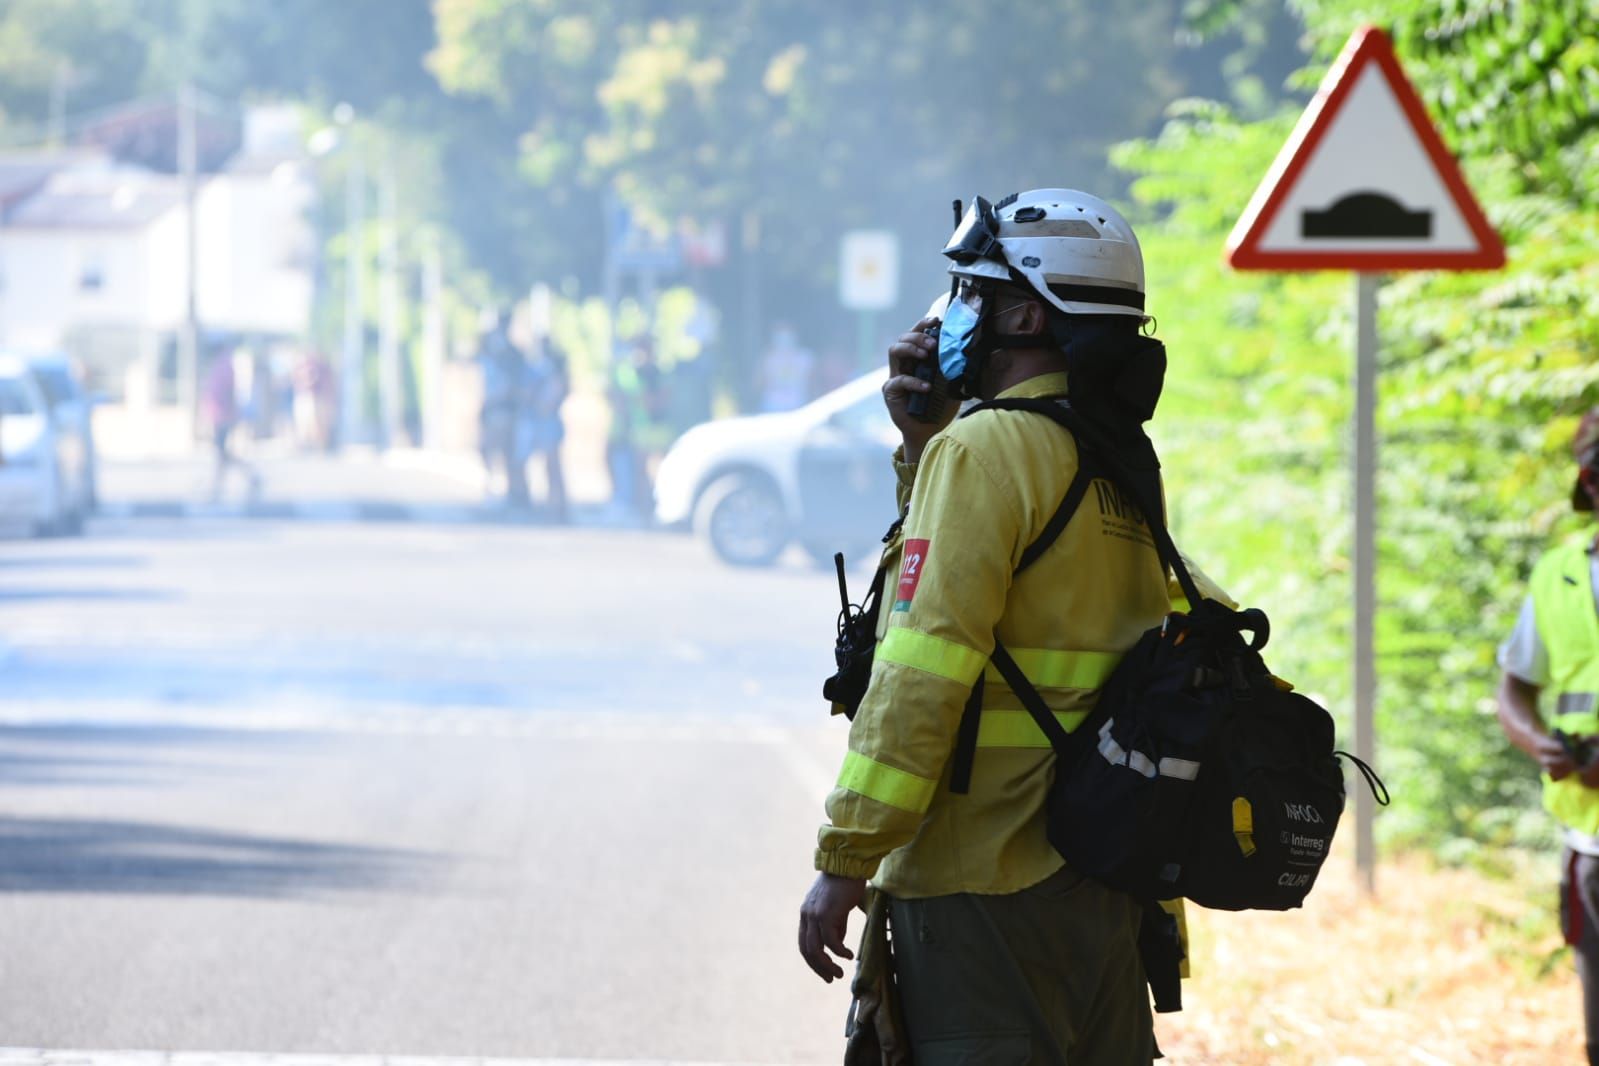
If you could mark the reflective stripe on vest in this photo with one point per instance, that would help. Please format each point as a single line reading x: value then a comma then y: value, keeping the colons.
x: 1568, y: 625
x: 1044, y: 667
x: 1574, y: 703
x: 1016, y: 729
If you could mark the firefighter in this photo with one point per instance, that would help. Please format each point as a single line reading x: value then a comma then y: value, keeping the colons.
x: 1547, y: 705
x: 1002, y: 953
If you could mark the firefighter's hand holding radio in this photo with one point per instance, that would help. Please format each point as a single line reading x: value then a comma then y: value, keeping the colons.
x: 913, y: 351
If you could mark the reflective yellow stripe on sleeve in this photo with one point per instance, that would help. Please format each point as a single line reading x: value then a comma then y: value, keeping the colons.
x: 934, y: 655
x: 1016, y: 729
x: 1047, y: 668
x: 886, y: 784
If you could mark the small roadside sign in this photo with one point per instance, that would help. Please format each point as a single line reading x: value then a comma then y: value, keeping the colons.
x: 1364, y: 183
x: 868, y: 273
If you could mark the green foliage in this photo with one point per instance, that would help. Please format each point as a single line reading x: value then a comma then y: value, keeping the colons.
x: 810, y: 122
x: 1482, y: 378
x: 93, y: 52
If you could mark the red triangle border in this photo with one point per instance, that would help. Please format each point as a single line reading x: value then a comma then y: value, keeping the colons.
x: 1368, y: 45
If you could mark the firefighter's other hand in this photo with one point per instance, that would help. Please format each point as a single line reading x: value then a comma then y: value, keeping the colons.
x: 1589, y: 775
x: 1553, y: 760
x: 1588, y: 772
x: 824, y: 920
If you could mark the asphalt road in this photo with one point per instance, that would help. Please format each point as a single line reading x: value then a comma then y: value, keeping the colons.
x: 410, y: 790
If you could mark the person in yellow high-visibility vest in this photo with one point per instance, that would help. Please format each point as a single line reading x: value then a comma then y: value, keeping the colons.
x: 1549, y: 708
x: 1002, y: 953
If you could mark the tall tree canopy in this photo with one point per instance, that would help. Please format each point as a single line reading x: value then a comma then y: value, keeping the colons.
x: 1482, y: 378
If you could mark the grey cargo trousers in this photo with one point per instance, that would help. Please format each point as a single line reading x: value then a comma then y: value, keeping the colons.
x: 1047, y: 975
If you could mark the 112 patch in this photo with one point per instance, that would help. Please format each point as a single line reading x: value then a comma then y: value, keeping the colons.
x: 910, y: 574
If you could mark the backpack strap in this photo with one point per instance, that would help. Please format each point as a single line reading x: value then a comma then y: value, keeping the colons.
x: 1067, y: 745
x: 1058, y: 521
x: 960, y: 778
x: 1092, y: 438
x: 1095, y: 456
x: 960, y: 772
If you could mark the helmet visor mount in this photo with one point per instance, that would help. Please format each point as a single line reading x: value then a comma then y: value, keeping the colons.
x: 975, y: 240
x: 976, y: 236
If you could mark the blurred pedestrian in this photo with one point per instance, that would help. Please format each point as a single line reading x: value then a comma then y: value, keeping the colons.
x: 313, y: 401
x: 653, y: 432
x: 834, y: 369
x: 786, y: 372
x: 219, y: 408
x: 546, y: 387
x: 640, y: 430
x: 689, y: 393
x: 504, y: 381
x: 1549, y: 708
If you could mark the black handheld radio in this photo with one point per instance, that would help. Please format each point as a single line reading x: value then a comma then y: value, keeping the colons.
x: 929, y: 406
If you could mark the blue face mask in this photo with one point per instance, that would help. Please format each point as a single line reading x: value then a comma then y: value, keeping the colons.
x: 955, y: 336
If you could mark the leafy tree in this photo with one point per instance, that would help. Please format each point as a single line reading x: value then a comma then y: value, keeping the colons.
x: 61, y: 54
x: 874, y: 115
x: 1482, y: 378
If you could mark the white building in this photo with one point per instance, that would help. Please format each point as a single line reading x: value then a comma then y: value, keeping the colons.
x: 95, y: 261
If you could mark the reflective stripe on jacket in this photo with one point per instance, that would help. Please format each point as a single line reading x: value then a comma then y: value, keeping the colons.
x: 983, y: 492
x: 1563, y: 604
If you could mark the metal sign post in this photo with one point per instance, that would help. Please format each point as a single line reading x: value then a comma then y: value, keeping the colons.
x: 1364, y: 462
x: 1364, y: 184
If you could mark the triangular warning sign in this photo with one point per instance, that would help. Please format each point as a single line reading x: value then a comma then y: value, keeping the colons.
x: 1364, y: 183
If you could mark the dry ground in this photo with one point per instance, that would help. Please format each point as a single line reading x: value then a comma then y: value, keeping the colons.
x: 1442, y: 966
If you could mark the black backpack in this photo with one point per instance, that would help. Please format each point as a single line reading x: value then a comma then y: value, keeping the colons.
x: 1198, y: 774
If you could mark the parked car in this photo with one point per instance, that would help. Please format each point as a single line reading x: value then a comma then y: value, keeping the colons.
x: 35, y: 472
x: 72, y: 411
x: 819, y: 476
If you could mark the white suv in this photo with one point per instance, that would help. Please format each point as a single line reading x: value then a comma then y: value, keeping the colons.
x: 819, y: 476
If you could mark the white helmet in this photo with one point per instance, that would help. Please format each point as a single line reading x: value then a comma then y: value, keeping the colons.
x: 1074, y: 250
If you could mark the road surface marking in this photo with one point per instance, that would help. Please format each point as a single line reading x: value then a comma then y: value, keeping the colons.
x: 62, y: 1057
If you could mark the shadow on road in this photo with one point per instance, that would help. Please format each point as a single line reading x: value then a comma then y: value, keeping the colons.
x: 109, y: 595
x: 138, y: 858
x: 76, y: 771
x: 140, y: 733
x: 73, y: 562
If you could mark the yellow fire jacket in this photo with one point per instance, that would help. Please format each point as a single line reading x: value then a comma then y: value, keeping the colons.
x: 983, y: 491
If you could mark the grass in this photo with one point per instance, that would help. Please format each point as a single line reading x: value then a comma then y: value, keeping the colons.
x: 1442, y: 965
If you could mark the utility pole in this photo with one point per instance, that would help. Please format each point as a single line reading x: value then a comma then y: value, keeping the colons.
x: 390, y: 380
x: 753, y: 340
x: 58, y: 104
x: 430, y: 389
x: 189, y: 341
x: 352, y: 362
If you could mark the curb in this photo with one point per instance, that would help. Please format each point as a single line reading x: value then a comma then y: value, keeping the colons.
x: 375, y: 511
